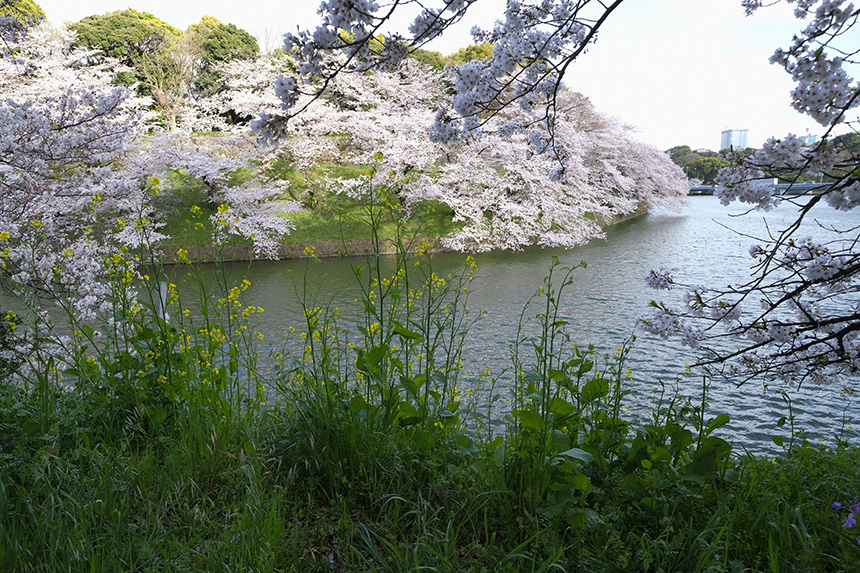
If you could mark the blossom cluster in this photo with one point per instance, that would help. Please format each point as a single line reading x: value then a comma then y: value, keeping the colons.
x: 824, y: 89
x: 804, y: 327
x: 532, y: 47
x: 815, y: 260
x: 507, y: 196
x: 807, y: 324
x: 659, y: 279
x: 665, y: 323
x: 79, y: 185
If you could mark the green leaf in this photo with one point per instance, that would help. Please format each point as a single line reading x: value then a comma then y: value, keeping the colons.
x: 249, y: 472
x: 31, y: 428
x: 595, y: 388
x: 410, y: 385
x: 466, y: 445
x: 661, y: 454
x: 704, y: 462
x: 589, y: 216
x: 681, y: 438
x: 374, y: 357
x: 561, y: 407
x: 155, y: 414
x: 405, y: 332
x: 532, y: 376
x: 357, y: 403
x: 530, y: 420
x: 649, y: 502
x: 717, y: 422
x: 578, y: 454
x: 423, y: 439
x: 777, y: 440
x: 579, y: 517
x: 409, y: 414
x: 555, y: 374
x: 582, y: 483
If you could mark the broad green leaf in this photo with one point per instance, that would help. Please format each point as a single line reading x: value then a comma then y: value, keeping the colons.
x: 594, y: 389
x: 557, y: 375
x: 410, y: 385
x: 530, y: 419
x: 578, y: 454
x: 582, y: 483
x: 717, y: 422
x: 661, y: 454
x: 465, y: 444
x: 704, y: 461
x: 561, y: 407
x: 649, y: 502
x: 578, y: 517
x: 423, y: 439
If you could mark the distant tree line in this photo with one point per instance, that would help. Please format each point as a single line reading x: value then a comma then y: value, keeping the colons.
x: 169, y: 65
x: 703, y: 165
x: 436, y: 60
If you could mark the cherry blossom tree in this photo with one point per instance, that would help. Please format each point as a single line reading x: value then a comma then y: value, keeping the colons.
x: 247, y: 91
x: 63, y: 126
x: 15, y: 18
x: 251, y: 208
x: 808, y: 323
x: 77, y: 178
x: 387, y: 111
x: 503, y: 192
x: 798, y: 317
x: 533, y: 47
x: 507, y: 199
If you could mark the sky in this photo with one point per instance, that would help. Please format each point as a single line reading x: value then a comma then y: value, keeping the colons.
x: 679, y: 72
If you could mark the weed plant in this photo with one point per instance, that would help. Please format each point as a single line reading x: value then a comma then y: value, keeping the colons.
x: 152, y: 442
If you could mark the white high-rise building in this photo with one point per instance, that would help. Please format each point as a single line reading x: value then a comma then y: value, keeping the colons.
x: 734, y: 138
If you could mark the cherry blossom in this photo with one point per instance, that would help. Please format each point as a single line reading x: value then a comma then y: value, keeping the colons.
x: 807, y: 324
x: 78, y: 178
x: 546, y: 35
x: 506, y: 196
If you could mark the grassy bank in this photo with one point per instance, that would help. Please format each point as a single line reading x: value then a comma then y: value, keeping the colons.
x: 145, y: 444
x: 333, y: 223
x: 197, y: 474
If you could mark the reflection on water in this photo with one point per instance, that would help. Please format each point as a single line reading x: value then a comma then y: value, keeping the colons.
x: 601, y: 305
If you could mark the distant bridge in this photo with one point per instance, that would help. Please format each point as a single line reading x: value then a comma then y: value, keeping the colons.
x: 781, y: 188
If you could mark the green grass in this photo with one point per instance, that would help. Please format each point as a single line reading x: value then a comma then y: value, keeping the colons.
x: 158, y: 447
x: 346, y: 222
x: 328, y: 218
x: 111, y: 501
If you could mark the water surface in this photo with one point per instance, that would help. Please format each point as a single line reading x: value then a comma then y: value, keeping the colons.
x: 703, y: 245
